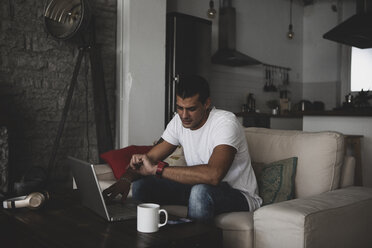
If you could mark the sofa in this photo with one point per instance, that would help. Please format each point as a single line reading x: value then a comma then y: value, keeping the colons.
x: 326, y: 209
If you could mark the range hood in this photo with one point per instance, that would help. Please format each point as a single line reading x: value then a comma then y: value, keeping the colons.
x: 357, y: 30
x: 226, y: 53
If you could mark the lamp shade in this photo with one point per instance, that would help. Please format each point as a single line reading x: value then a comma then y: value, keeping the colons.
x: 64, y: 19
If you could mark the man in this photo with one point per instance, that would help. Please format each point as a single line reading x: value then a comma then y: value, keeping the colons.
x: 218, y: 177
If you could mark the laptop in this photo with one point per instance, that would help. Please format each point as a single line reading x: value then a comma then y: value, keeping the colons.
x: 92, y: 198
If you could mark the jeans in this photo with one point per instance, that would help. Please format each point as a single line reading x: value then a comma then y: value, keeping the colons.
x: 204, y: 201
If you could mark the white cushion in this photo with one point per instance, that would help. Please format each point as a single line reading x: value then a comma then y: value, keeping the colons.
x: 104, y: 175
x: 104, y: 172
x: 325, y: 220
x: 237, y: 229
x: 320, y: 156
x: 177, y: 158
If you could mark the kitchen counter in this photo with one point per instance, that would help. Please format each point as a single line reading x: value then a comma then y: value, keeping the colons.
x: 291, y: 121
x: 341, y: 112
x: 294, y: 120
x: 252, y: 114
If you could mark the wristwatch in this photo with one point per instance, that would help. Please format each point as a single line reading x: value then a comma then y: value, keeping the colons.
x: 160, y: 168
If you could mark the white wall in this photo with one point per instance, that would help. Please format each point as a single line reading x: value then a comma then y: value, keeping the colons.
x: 322, y: 58
x: 141, y: 71
x: 349, y: 9
x: 320, y: 55
x: 261, y: 33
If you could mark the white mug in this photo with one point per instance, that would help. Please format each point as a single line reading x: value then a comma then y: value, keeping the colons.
x: 148, y: 217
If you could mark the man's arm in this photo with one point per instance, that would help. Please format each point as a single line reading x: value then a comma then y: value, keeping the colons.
x: 161, y: 151
x: 211, y: 173
x: 122, y: 186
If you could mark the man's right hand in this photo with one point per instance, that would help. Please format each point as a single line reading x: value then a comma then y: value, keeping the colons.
x: 142, y: 164
x: 122, y: 186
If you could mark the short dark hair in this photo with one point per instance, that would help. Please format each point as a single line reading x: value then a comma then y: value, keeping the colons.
x: 191, y: 85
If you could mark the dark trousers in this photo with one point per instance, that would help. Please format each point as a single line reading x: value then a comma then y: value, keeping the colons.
x: 204, y: 201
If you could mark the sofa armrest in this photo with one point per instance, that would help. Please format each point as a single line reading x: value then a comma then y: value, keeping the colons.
x: 347, y: 172
x: 104, y: 175
x: 104, y: 172
x: 339, y: 218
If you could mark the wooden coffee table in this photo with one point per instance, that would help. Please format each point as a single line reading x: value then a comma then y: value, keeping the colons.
x: 64, y: 222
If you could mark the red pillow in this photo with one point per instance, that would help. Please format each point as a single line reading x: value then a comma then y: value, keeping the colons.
x: 119, y: 159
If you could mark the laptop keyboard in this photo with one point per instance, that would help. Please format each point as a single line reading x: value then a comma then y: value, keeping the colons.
x: 122, y: 211
x: 120, y: 208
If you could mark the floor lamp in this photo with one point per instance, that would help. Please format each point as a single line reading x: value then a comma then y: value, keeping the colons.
x: 72, y: 20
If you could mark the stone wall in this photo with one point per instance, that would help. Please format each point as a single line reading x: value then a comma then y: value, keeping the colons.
x: 4, y: 151
x: 35, y: 72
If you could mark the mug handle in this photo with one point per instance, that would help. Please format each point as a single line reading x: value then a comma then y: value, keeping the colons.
x: 166, y: 217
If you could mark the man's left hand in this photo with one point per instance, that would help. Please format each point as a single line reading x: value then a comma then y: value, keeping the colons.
x: 120, y: 187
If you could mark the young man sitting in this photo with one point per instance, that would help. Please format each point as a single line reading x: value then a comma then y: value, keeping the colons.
x: 218, y: 177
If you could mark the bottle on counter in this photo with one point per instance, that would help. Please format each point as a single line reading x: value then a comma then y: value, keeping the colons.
x: 285, y: 102
x: 251, y: 103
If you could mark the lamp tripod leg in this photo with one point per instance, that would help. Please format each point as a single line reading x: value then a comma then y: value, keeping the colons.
x: 102, y: 118
x: 64, y: 113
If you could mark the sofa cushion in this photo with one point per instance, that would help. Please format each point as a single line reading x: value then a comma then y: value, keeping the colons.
x: 235, y: 221
x: 177, y: 158
x: 237, y: 229
x: 320, y: 155
x: 119, y: 159
x: 276, y: 180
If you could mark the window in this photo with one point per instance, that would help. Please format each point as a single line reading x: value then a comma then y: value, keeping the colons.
x: 361, y: 69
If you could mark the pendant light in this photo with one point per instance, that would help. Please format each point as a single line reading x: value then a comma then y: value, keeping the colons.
x: 290, y: 32
x: 211, y: 12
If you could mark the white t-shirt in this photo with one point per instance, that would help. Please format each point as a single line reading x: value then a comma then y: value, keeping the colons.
x: 221, y: 128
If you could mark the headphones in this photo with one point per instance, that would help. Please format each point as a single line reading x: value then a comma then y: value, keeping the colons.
x: 34, y: 200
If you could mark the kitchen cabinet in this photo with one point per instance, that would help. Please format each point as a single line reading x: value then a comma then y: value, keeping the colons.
x: 256, y: 120
x: 284, y: 122
x: 188, y: 52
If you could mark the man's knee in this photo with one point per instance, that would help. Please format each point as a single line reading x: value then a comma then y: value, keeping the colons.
x: 200, y: 192
x: 201, y: 202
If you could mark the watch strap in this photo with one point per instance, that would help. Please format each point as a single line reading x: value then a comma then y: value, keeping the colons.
x: 160, y: 168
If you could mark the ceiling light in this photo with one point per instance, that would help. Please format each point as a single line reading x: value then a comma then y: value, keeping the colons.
x: 290, y: 32
x: 211, y: 12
